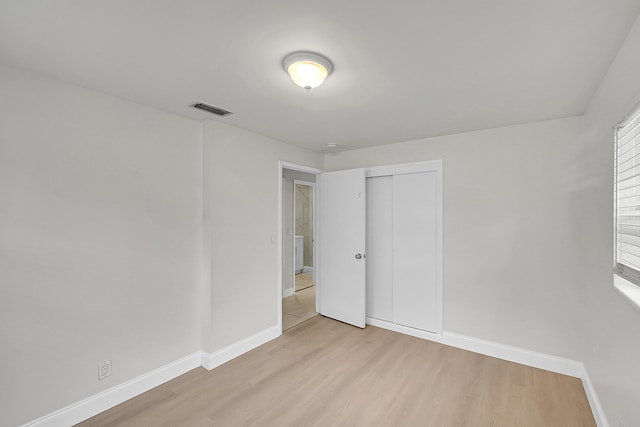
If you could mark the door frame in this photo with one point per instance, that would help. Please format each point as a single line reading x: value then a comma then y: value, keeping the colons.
x: 313, y: 231
x: 300, y: 168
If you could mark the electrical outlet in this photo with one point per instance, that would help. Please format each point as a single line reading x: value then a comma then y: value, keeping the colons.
x: 104, y: 369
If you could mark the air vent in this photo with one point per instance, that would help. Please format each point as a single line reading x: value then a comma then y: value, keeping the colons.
x: 211, y: 109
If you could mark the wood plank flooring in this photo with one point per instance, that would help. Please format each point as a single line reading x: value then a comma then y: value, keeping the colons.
x: 298, y: 308
x: 303, y: 281
x: 326, y: 373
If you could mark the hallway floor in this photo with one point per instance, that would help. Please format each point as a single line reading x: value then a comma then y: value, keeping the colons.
x: 298, y: 308
x: 303, y: 281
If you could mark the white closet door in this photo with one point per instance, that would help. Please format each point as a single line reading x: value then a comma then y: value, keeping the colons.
x: 379, y: 247
x: 415, y: 250
x: 341, y: 249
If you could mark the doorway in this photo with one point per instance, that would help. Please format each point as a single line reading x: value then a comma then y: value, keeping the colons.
x: 341, y: 242
x: 298, y: 247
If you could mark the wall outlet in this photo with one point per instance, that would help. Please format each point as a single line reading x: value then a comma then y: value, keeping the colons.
x: 104, y: 369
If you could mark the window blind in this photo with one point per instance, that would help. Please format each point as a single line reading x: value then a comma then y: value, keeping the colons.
x: 627, y: 198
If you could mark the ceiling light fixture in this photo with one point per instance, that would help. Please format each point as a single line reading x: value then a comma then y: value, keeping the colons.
x: 307, y: 69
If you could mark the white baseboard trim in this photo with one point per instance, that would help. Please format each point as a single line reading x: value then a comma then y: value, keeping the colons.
x: 534, y: 359
x: 212, y: 360
x: 113, y: 396
x: 512, y: 354
x: 493, y: 349
x: 594, y: 402
x: 307, y: 269
x: 418, y: 333
x: 288, y: 292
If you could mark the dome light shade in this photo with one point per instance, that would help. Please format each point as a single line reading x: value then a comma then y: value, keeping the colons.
x: 308, y: 70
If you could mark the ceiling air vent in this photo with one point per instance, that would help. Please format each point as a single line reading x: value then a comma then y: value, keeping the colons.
x: 211, y: 109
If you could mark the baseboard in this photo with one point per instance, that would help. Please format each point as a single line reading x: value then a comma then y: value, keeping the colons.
x: 534, y: 359
x: 288, y: 292
x: 512, y: 354
x: 594, y: 402
x: 431, y: 336
x: 109, y: 398
x: 306, y: 269
x: 493, y: 349
x: 212, y: 360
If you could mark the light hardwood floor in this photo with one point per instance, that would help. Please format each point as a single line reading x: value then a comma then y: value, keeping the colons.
x: 303, y: 281
x: 326, y: 373
x: 298, y: 308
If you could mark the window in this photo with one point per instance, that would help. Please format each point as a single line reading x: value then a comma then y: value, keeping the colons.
x: 627, y: 199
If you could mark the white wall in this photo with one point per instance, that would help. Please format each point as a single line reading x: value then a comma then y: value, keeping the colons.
x: 99, y: 242
x: 509, y: 231
x: 244, y: 181
x: 613, y: 322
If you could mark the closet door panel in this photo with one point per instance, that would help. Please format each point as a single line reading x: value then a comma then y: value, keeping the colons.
x: 415, y: 250
x: 379, y: 248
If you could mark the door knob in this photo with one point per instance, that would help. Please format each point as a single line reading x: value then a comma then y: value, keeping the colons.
x: 358, y: 256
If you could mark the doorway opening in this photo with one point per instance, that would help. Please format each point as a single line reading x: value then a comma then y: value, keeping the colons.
x: 299, y: 297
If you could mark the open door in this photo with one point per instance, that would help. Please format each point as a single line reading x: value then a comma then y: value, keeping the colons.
x: 342, y: 237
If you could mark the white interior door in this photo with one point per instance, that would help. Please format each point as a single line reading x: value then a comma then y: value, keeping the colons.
x: 341, y: 249
x: 415, y: 278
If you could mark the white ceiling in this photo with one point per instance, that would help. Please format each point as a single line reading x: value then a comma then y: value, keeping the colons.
x: 403, y: 70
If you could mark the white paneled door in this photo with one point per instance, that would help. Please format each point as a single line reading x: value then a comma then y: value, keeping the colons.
x: 415, y: 286
x: 342, y: 233
x: 402, y: 248
x: 380, y: 247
